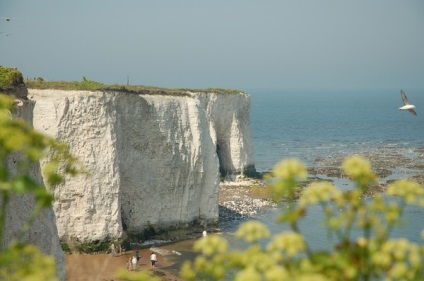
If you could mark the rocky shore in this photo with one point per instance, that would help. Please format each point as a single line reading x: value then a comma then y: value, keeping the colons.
x: 388, y: 162
x: 241, y: 199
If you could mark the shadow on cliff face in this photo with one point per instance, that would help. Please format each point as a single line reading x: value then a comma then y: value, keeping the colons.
x: 226, y: 167
x: 158, y: 235
x: 222, y: 170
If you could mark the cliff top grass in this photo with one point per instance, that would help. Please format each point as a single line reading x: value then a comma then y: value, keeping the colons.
x: 90, y: 85
x: 11, y: 79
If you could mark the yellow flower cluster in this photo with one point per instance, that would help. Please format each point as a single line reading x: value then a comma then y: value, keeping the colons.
x: 401, y: 258
x: 289, y: 169
x: 210, y: 245
x: 286, y: 176
x: 359, y: 170
x: 290, y: 243
x: 319, y: 192
x: 252, y: 231
x: 410, y: 191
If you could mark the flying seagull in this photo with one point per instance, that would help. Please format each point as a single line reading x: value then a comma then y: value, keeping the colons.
x: 9, y: 19
x: 406, y: 105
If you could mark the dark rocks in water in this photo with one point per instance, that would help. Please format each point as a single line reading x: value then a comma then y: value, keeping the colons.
x: 238, y: 204
x: 227, y: 214
x: 385, y: 161
x: 333, y: 172
x: 374, y: 189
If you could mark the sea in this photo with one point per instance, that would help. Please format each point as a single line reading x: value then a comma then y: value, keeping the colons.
x: 311, y: 125
x: 315, y: 126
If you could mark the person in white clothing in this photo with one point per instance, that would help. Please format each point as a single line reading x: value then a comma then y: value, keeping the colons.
x: 112, y: 250
x: 153, y: 259
x: 134, y: 263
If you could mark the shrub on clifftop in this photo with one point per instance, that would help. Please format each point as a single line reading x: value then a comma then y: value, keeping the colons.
x: 10, y: 79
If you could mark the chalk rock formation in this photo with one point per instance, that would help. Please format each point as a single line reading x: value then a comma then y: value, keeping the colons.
x: 154, y: 161
x: 43, y: 232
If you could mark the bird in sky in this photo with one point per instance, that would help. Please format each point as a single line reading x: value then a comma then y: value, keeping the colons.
x: 9, y: 19
x: 406, y: 105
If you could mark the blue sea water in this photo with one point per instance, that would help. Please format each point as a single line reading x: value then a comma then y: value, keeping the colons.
x: 319, y: 125
x: 310, y: 125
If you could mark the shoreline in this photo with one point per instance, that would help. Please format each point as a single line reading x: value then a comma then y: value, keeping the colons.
x: 236, y: 201
x: 85, y: 267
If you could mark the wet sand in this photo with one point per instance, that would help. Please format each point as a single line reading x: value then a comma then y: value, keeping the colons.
x: 81, y: 267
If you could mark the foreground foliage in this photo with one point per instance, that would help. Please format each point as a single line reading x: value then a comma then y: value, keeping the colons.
x: 370, y: 255
x: 18, y: 260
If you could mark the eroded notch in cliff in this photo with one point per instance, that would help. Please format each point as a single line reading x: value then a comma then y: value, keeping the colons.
x: 222, y: 171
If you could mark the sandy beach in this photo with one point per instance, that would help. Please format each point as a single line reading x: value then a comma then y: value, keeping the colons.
x: 81, y: 267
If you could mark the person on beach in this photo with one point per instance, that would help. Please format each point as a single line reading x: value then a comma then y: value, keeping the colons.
x: 112, y: 250
x: 137, y: 255
x: 153, y: 259
x: 120, y: 249
x: 134, y: 262
x: 129, y: 263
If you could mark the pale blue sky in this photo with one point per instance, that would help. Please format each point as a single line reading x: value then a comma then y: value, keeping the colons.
x: 249, y: 45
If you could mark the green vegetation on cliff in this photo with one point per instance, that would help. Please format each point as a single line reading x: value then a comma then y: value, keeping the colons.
x: 10, y: 79
x: 90, y: 85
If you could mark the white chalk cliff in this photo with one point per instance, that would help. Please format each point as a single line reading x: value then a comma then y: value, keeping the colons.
x: 154, y: 161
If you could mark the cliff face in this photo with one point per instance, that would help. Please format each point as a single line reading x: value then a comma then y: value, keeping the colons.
x: 229, y: 118
x: 153, y: 161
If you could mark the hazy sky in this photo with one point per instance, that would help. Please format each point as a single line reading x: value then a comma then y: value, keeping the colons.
x: 243, y: 44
